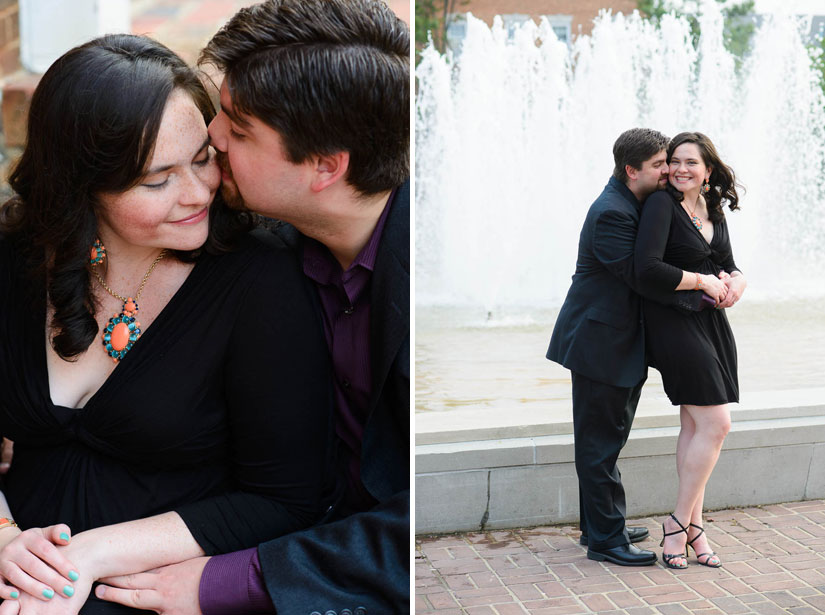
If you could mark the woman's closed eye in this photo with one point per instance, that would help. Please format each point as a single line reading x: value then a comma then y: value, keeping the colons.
x: 203, y: 160
x: 156, y: 185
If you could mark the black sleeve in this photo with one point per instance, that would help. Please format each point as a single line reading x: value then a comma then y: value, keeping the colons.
x: 614, y: 241
x: 614, y: 234
x: 652, y: 273
x: 362, y: 560
x: 279, y: 399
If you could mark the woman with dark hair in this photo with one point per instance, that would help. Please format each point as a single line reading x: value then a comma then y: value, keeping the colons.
x: 683, y: 241
x: 167, y: 398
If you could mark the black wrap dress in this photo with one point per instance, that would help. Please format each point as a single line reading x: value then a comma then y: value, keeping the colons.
x: 220, y: 412
x: 693, y: 350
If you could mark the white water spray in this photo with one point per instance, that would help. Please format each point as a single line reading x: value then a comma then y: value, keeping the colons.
x: 514, y: 141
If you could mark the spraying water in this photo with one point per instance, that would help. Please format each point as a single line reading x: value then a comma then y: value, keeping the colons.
x: 514, y: 140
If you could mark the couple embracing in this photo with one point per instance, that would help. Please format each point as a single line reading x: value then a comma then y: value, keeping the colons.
x: 654, y: 275
x: 210, y: 417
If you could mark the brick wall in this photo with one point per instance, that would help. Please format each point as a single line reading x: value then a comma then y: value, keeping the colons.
x: 9, y: 37
x: 582, y: 11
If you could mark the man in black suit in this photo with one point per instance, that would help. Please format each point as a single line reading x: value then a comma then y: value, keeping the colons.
x: 314, y: 131
x: 599, y: 336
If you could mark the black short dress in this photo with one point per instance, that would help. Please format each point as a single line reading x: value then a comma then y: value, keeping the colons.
x: 693, y: 350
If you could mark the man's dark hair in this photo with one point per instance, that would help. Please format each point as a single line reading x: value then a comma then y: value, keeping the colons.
x: 328, y: 76
x: 633, y: 147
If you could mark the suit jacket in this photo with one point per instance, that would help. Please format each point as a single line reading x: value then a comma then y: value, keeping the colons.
x: 362, y: 561
x: 599, y: 332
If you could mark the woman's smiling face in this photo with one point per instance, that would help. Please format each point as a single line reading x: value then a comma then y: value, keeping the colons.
x: 687, y: 170
x: 169, y: 207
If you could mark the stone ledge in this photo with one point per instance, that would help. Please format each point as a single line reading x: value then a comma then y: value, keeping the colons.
x: 462, y: 425
x: 519, y: 482
x: 642, y: 443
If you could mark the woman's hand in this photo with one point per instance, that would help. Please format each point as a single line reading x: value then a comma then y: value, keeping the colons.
x: 715, y: 287
x: 736, y: 286
x: 170, y: 590
x: 31, y: 563
x: 29, y: 605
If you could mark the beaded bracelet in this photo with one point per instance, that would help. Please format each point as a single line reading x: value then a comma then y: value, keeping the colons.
x: 698, y: 283
x: 6, y: 522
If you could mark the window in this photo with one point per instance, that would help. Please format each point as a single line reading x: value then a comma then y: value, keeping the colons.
x: 456, y: 31
x: 512, y: 22
x: 457, y: 27
x: 561, y: 26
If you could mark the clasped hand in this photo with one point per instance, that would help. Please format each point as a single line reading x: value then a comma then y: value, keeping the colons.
x: 735, y: 285
x: 36, y: 576
x: 725, y: 289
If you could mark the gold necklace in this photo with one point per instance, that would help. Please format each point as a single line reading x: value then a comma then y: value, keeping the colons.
x: 123, y: 330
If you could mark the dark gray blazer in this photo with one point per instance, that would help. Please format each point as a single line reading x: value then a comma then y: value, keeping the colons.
x: 599, y: 332
x: 363, y: 560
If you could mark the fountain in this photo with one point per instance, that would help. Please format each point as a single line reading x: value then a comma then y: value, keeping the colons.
x: 514, y: 138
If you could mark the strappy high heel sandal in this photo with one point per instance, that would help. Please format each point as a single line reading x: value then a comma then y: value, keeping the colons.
x: 667, y: 558
x: 707, y: 556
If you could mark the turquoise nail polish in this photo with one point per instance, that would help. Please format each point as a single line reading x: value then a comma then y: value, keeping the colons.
x: 48, y: 593
x: 68, y: 590
x: 64, y: 536
x: 73, y: 575
x: 15, y: 595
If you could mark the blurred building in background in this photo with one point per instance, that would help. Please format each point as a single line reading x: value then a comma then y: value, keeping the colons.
x: 568, y: 17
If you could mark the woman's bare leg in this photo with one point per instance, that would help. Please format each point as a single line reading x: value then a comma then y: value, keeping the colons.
x: 701, y: 544
x: 696, y: 457
x: 686, y: 433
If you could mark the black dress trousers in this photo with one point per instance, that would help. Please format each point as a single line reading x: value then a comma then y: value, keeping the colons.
x: 602, y: 418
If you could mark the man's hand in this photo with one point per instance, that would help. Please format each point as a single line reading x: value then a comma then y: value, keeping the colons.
x: 736, y: 286
x: 170, y: 590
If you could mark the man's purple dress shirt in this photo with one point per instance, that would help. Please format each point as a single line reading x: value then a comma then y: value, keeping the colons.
x: 233, y: 584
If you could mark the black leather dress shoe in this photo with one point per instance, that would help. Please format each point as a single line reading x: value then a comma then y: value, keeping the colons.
x: 624, y: 555
x: 636, y: 534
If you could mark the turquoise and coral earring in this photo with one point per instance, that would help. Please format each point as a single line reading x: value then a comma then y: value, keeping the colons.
x: 706, y: 187
x: 98, y: 253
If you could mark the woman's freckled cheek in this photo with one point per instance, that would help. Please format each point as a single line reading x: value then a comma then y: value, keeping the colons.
x: 136, y: 215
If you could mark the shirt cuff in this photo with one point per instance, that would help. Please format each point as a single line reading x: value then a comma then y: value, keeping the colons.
x: 232, y: 584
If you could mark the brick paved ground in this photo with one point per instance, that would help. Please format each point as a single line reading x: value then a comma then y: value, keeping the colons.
x: 774, y: 562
